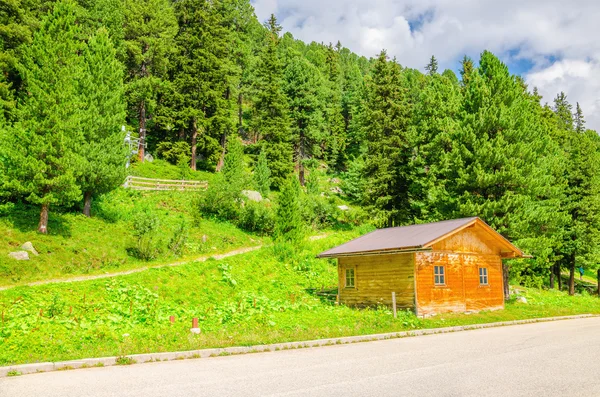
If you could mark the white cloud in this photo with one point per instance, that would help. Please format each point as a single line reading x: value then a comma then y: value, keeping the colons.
x: 558, y: 38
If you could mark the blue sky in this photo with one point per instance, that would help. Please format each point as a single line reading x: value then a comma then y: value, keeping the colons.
x: 553, y: 44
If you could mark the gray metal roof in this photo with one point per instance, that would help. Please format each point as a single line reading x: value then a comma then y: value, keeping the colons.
x: 398, y: 238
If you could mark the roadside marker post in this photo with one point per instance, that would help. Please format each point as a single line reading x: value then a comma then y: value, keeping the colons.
x: 394, y: 304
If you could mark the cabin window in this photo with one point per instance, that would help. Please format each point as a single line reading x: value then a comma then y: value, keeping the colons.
x: 439, y: 275
x: 483, y: 276
x: 349, y: 278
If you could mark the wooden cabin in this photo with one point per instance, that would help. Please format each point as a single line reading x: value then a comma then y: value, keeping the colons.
x: 449, y: 266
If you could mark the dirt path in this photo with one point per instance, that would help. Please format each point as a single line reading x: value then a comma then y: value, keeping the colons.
x: 132, y: 271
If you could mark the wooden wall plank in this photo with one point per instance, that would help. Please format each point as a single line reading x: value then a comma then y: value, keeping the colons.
x: 376, y: 277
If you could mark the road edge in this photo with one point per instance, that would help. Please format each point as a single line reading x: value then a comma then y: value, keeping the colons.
x: 23, y: 369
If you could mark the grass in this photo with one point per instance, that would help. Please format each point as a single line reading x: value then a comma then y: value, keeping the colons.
x: 77, y: 245
x: 256, y: 298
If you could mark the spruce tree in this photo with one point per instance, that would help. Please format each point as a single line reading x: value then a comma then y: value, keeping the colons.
x: 432, y: 66
x: 262, y: 174
x: 101, y: 90
x: 233, y: 168
x: 288, y: 222
x: 203, y: 74
x: 302, y: 88
x: 270, y: 118
x: 43, y: 160
x: 385, y: 119
x: 335, y: 152
x: 579, y: 120
x: 150, y: 26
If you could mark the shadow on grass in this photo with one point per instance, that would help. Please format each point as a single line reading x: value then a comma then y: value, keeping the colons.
x: 25, y: 218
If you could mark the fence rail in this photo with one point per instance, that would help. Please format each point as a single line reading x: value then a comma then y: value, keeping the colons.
x: 139, y: 183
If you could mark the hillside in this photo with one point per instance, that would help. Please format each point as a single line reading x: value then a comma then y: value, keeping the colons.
x: 249, y: 299
x: 78, y: 245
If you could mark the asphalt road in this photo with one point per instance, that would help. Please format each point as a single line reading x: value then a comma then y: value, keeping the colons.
x: 559, y: 358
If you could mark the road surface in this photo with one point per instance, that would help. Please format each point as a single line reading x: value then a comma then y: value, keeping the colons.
x: 559, y: 358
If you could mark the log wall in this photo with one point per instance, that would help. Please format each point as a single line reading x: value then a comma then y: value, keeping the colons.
x: 376, y: 277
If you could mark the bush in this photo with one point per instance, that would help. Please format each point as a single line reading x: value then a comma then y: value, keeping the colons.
x: 145, y: 227
x: 257, y: 217
x: 174, y: 152
x: 319, y: 212
x: 179, y: 238
x: 221, y: 201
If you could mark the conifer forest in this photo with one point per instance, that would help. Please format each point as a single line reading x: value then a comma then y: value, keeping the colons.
x: 197, y: 80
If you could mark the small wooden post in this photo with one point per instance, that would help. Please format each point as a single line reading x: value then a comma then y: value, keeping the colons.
x: 172, y: 319
x: 394, y: 304
x: 195, y: 322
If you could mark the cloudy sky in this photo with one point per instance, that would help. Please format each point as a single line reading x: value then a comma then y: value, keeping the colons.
x: 553, y: 44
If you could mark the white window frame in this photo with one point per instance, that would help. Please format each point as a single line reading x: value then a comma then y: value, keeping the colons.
x: 353, y: 278
x: 439, y: 275
x: 484, y: 276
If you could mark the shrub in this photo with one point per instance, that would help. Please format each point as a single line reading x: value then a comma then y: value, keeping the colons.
x: 256, y: 217
x: 179, y: 238
x: 352, y: 183
x: 145, y: 226
x: 288, y: 224
x: 174, y: 152
x: 221, y: 201
x: 319, y: 212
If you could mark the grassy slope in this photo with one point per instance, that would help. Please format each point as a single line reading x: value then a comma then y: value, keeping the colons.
x: 77, y: 245
x: 248, y: 299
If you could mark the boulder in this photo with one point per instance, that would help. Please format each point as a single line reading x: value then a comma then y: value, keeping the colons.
x: 337, y: 190
x: 252, y: 195
x: 149, y: 158
x: 29, y: 248
x: 19, y: 255
x: 343, y: 207
x: 522, y: 299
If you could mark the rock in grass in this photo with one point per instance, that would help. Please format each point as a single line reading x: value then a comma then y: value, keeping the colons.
x: 252, y: 195
x: 522, y: 299
x: 29, y: 248
x: 19, y: 255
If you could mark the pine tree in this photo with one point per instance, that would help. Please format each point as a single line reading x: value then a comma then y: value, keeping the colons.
x: 385, y: 119
x: 101, y: 90
x: 496, y: 160
x: 203, y: 73
x: 432, y: 66
x: 233, y: 168
x: 302, y: 88
x: 564, y: 112
x: 288, y: 222
x: 150, y: 26
x: 262, y: 174
x: 44, y: 160
x: 335, y: 153
x: 579, y: 120
x: 270, y: 118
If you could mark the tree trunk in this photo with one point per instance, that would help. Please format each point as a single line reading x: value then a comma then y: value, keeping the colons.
x: 558, y: 276
x: 87, y: 204
x: 142, y: 145
x: 572, y: 275
x: 194, y: 143
x: 552, y: 273
x: 505, y: 278
x: 300, y: 159
x: 43, y: 225
x: 221, y: 162
x: 181, y: 134
x: 598, y: 278
x: 240, y: 113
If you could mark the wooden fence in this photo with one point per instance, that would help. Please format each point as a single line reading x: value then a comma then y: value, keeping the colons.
x: 139, y: 183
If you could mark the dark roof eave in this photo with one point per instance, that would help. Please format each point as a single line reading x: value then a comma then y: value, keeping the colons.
x: 403, y: 250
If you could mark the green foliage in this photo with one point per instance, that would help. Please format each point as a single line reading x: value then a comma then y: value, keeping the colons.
x: 145, y: 230
x: 175, y: 153
x: 179, y: 238
x: 233, y: 169
x: 44, y: 161
x: 103, y: 152
x: 262, y: 174
x: 256, y: 217
x: 288, y: 221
